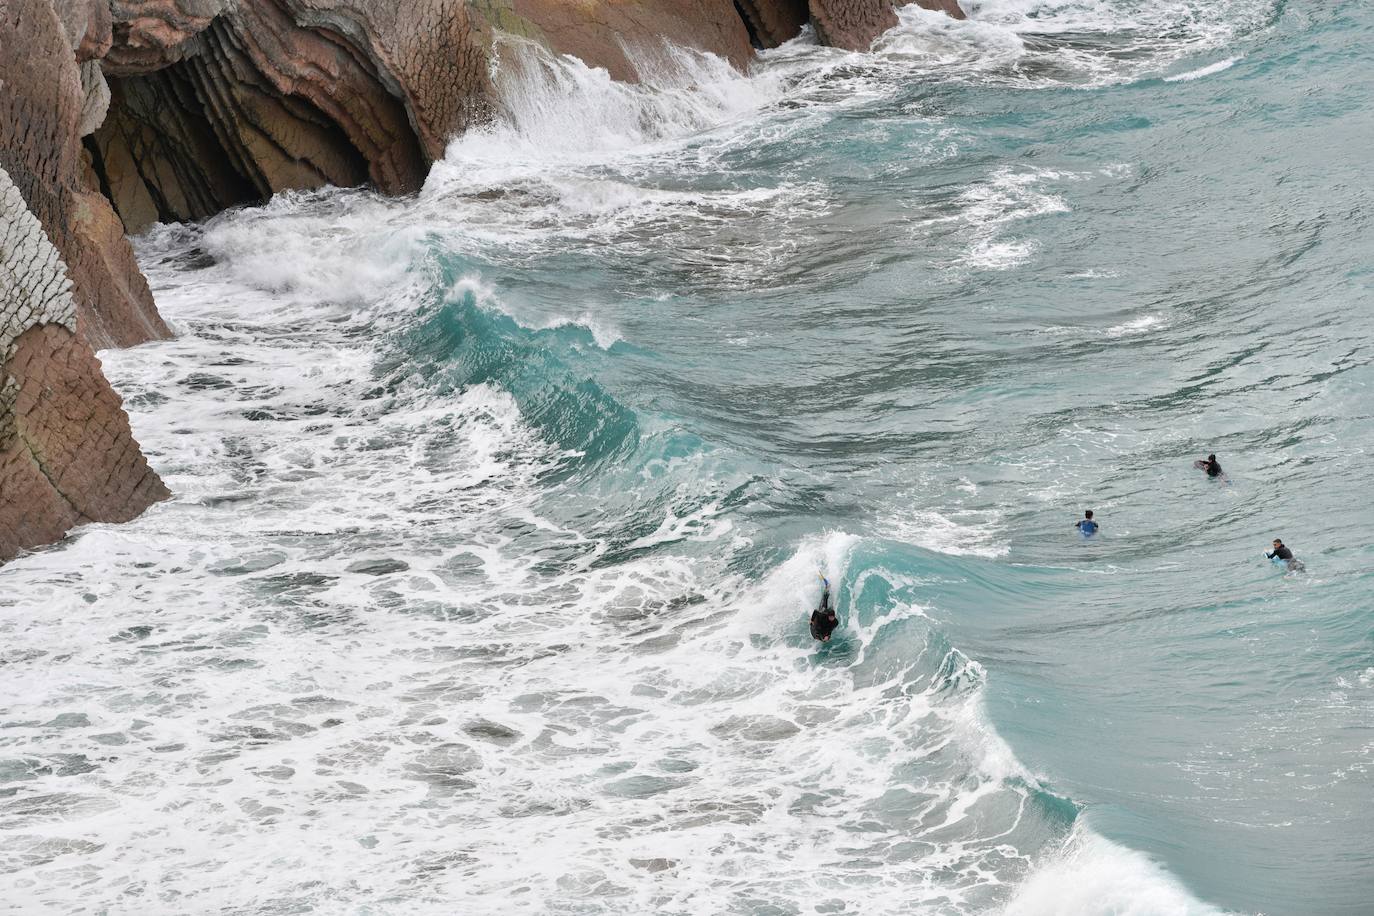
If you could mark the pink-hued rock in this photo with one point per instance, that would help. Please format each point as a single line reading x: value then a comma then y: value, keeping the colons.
x: 42, y: 107
x: 70, y: 458
x: 220, y: 102
x: 600, y: 32
x: 950, y: 8
x: 853, y: 24
x: 152, y: 34
x: 66, y: 453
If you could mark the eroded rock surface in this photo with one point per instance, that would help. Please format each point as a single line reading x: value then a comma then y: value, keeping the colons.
x: 608, y: 33
x: 67, y: 455
x: 854, y: 24
x: 44, y: 106
x: 220, y: 102
x: 216, y: 104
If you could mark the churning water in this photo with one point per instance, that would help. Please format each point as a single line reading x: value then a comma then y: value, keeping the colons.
x: 499, y: 510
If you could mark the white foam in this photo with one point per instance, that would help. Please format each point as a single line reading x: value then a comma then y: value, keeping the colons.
x: 341, y: 249
x: 796, y: 583
x: 1092, y: 876
x: 704, y: 524
x: 1145, y: 324
x: 603, y: 332
x: 926, y: 528
x: 1201, y: 72
x: 297, y: 719
x: 989, y: 45
x: 554, y: 109
x: 984, y: 211
x: 575, y: 160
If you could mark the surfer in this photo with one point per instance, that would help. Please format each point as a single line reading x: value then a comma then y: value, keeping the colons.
x: 823, y: 619
x: 1211, y: 465
x: 1085, y: 525
x: 1280, y: 552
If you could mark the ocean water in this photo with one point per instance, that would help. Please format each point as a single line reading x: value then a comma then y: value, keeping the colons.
x: 500, y: 509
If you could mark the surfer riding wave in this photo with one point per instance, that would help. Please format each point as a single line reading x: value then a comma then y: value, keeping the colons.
x: 823, y: 619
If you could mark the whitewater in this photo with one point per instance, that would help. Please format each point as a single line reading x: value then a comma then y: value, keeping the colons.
x: 499, y: 510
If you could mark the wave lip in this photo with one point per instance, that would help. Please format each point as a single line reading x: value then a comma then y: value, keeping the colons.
x: 1092, y: 876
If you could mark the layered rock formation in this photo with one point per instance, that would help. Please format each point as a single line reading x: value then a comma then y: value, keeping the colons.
x: 849, y: 24
x: 47, y: 101
x: 68, y: 280
x: 219, y: 102
x: 216, y: 103
x: 607, y: 34
x: 66, y: 453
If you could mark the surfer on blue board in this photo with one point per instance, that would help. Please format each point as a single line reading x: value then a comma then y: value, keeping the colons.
x: 823, y: 619
x: 1085, y: 525
x: 1282, y: 553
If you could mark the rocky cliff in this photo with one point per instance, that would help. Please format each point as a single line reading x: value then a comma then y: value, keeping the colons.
x: 66, y: 453
x: 220, y: 102
x: 115, y: 114
x: 51, y: 98
x: 68, y: 281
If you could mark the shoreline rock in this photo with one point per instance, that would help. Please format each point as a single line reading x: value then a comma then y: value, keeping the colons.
x: 67, y: 455
x: 43, y: 108
x: 855, y: 24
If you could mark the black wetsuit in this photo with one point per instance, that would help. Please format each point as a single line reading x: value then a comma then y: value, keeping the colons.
x: 1283, y: 553
x: 823, y: 619
x: 1213, y: 468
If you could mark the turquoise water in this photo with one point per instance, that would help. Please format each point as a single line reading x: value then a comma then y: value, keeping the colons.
x: 500, y: 510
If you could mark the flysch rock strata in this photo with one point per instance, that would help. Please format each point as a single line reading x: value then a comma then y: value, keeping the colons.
x: 67, y: 455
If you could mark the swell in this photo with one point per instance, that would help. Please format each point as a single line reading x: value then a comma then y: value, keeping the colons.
x: 455, y: 343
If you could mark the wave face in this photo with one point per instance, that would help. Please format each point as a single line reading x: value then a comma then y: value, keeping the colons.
x: 500, y: 509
